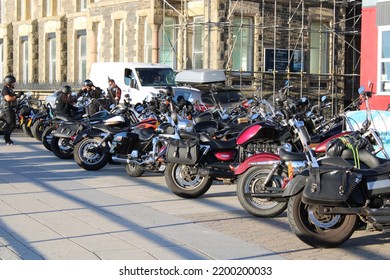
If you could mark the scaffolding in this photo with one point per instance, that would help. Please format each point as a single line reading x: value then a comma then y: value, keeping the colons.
x: 338, y: 32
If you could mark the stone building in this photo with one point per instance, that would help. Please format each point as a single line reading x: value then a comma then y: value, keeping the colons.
x: 260, y: 43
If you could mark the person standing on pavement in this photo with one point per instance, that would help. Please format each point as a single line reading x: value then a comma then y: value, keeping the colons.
x: 9, y: 106
x: 114, y: 91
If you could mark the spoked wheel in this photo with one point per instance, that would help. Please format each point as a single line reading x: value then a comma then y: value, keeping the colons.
x: 185, y: 184
x: 318, y: 230
x: 251, y: 183
x: 134, y: 170
x: 47, y: 135
x: 62, y: 147
x: 89, y: 156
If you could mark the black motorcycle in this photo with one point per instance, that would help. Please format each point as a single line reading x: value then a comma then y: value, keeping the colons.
x: 332, y: 198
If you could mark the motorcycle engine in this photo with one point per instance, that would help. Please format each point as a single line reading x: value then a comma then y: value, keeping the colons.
x: 261, y: 147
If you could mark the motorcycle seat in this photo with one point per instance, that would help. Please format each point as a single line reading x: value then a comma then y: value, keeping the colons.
x: 366, y: 158
x: 67, y: 118
x: 383, y: 169
x: 335, y: 161
x: 217, y: 144
x: 144, y: 134
x: 291, y: 156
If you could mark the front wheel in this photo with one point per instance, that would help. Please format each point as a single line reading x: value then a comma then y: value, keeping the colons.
x: 251, y: 183
x: 183, y: 183
x: 47, y: 135
x: 134, y: 170
x: 37, y: 129
x: 318, y: 230
x: 90, y: 155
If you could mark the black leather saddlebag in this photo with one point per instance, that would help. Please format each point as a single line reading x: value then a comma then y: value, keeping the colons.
x: 184, y: 151
x: 329, y: 185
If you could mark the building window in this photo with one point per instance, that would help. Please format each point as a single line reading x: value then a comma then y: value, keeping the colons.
x: 1, y: 59
x: 242, y: 56
x: 384, y: 60
x: 81, y: 5
x: 319, y: 48
x: 148, y: 42
x: 167, y: 42
x: 49, y: 7
x: 197, y: 43
x: 52, y: 60
x: 25, y: 9
x: 82, y: 55
x: 24, y: 59
x: 53, y: 7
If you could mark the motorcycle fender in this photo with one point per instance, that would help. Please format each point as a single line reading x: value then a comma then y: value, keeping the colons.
x: 257, y: 160
x: 65, y: 131
x: 296, y: 185
x: 86, y: 133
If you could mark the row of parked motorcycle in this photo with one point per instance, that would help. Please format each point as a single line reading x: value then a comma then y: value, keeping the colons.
x: 281, y: 152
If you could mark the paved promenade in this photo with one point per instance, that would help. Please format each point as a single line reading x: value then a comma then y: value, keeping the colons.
x: 52, y: 209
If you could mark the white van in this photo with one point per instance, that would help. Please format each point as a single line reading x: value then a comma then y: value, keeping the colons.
x: 140, y: 80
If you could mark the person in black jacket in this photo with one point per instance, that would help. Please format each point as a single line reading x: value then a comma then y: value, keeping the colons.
x: 90, y: 90
x: 93, y: 92
x: 64, y: 102
x: 9, y: 100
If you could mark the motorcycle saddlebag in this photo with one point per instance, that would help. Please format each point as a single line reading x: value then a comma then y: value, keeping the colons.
x: 329, y: 185
x: 183, y: 151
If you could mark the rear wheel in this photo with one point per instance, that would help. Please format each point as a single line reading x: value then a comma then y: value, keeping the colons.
x: 89, y: 155
x: 251, y: 183
x: 62, y: 147
x: 27, y: 129
x: 318, y: 230
x: 183, y: 183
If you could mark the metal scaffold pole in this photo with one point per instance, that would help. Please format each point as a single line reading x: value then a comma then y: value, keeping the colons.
x: 312, y: 35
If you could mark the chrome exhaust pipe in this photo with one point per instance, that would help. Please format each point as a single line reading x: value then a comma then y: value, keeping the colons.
x: 127, y: 160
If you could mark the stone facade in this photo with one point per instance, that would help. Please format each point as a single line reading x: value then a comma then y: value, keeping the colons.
x: 116, y: 30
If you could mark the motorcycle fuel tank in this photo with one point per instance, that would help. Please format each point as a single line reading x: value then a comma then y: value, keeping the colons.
x: 264, y: 131
x: 115, y: 120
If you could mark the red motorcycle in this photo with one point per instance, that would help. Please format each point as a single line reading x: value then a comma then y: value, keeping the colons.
x: 195, y: 160
x: 262, y: 178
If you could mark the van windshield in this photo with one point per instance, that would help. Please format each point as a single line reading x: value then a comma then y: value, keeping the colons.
x: 156, y: 77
